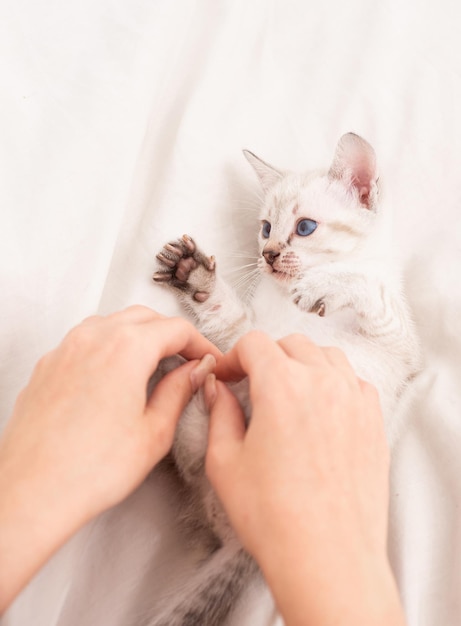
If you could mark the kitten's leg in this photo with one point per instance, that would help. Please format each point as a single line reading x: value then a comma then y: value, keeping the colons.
x: 382, y: 313
x: 191, y: 274
x: 212, y: 591
x: 323, y: 292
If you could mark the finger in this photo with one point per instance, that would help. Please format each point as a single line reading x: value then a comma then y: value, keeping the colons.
x: 251, y: 356
x: 167, y: 336
x: 226, y: 431
x: 165, y: 406
x: 337, y: 359
x: 302, y: 349
x: 135, y: 314
x: 92, y: 319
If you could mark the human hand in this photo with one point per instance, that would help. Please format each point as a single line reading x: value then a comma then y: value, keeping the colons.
x: 82, y: 435
x: 306, y: 485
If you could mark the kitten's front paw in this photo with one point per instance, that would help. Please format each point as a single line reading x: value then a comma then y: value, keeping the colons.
x: 318, y: 307
x: 308, y: 304
x: 325, y: 294
x: 183, y: 266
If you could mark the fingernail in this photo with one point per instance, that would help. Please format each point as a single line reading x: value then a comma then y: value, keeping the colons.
x: 201, y: 371
x: 210, y: 391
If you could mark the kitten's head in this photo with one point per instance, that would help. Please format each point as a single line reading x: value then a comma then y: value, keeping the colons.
x: 318, y: 217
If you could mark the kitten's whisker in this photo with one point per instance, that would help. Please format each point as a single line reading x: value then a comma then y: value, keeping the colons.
x: 242, y: 267
x: 258, y: 194
x: 245, y: 266
x: 255, y: 201
x: 246, y: 272
x: 251, y: 285
x: 248, y: 275
x: 251, y: 203
x: 247, y: 295
x: 247, y: 279
x: 244, y: 257
x: 241, y: 255
x: 247, y: 207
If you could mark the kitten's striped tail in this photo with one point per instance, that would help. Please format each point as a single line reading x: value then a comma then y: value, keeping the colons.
x: 211, y: 594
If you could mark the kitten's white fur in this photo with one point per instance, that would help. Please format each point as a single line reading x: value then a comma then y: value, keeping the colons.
x: 337, y: 286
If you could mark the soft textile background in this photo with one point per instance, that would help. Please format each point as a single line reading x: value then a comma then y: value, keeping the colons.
x: 121, y: 126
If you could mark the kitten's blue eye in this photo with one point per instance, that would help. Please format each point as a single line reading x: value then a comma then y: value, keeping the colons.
x: 266, y: 230
x: 305, y: 227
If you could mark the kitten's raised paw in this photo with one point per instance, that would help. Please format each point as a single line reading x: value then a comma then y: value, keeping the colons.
x: 319, y: 308
x: 184, y: 267
x: 305, y: 303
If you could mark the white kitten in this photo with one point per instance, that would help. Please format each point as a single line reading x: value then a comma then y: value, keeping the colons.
x: 326, y: 272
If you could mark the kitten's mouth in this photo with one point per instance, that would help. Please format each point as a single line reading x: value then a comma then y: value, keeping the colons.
x: 280, y: 275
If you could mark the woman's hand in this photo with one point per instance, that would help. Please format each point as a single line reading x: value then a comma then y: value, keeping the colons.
x: 306, y: 485
x: 82, y: 435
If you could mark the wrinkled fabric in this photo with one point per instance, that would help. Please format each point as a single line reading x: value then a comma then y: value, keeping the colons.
x: 122, y: 125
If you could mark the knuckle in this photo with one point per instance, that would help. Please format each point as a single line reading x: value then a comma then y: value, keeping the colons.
x: 185, y: 323
x: 42, y: 363
x: 253, y: 337
x: 182, y: 324
x: 286, y: 371
x: 289, y: 379
x: 79, y: 338
x: 335, y: 354
x: 91, y: 319
x: 124, y: 336
x: 105, y: 338
x: 137, y: 307
x: 254, y: 343
x: 299, y: 338
x: 332, y: 384
x: 296, y: 342
x: 141, y: 309
x: 183, y: 328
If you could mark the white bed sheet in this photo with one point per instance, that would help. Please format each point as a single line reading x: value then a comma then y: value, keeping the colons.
x: 122, y: 125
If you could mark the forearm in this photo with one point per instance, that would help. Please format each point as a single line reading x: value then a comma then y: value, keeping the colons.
x: 35, y: 521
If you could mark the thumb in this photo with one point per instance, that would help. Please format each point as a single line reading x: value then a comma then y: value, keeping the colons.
x: 164, y: 407
x: 226, y: 431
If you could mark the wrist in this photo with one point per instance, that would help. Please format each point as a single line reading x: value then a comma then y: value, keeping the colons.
x: 344, y: 587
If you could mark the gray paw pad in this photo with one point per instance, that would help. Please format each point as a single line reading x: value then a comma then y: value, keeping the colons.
x: 178, y: 262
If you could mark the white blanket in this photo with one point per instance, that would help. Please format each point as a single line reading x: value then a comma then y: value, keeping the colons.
x: 122, y: 124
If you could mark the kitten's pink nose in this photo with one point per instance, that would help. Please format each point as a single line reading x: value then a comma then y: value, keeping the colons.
x: 270, y: 255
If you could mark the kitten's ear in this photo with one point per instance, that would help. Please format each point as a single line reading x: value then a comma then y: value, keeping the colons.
x: 267, y: 174
x: 354, y: 164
